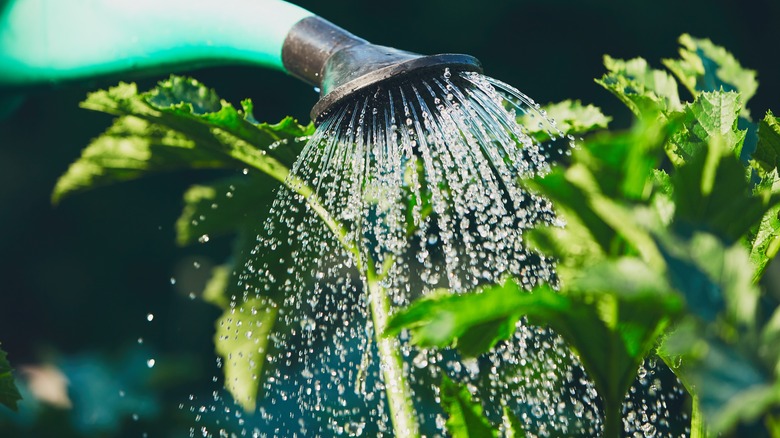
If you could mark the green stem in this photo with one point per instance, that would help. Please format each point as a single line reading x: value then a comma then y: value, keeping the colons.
x: 697, y: 419
x: 391, y: 364
x: 613, y: 420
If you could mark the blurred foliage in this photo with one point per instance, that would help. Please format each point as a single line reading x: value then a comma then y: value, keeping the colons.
x: 570, y: 117
x: 9, y: 394
x: 465, y: 418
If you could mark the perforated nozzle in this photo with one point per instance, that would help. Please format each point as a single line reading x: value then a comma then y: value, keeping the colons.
x: 343, y: 65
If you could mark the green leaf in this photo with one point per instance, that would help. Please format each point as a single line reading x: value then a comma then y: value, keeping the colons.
x: 242, y: 342
x: 663, y: 196
x: 571, y: 117
x: 712, y: 194
x: 9, y: 395
x: 216, y: 289
x: 764, y: 240
x: 712, y: 276
x: 611, y: 343
x: 464, y: 416
x: 704, y: 66
x: 572, y: 202
x: 612, y: 224
x: 223, y: 207
x: 643, y: 89
x: 625, y: 162
x: 730, y: 387
x: 178, y: 125
x: 713, y: 115
x: 770, y: 343
x: 767, y: 154
x: 512, y: 425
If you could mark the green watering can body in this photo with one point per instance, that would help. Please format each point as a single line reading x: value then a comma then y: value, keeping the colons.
x: 54, y: 41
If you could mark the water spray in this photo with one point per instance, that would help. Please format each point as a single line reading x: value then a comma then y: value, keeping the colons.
x: 417, y: 157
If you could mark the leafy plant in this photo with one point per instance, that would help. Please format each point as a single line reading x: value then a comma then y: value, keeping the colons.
x: 181, y: 124
x: 9, y: 395
x: 667, y: 236
x: 669, y: 228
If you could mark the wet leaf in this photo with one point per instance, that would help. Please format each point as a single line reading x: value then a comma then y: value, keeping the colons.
x: 9, y: 395
x: 571, y: 117
x: 643, y: 89
x: 242, y: 341
x: 464, y: 416
x: 704, y: 66
x: 611, y: 344
x: 180, y: 124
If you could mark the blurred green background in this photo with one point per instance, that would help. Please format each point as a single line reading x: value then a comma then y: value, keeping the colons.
x: 79, y: 280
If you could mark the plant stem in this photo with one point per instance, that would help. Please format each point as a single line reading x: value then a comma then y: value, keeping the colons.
x: 391, y: 364
x: 697, y: 421
x: 613, y: 420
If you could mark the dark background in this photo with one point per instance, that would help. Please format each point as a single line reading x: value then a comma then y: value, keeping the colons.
x: 78, y: 280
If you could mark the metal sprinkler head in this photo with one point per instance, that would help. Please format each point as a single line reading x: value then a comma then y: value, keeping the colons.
x: 344, y: 66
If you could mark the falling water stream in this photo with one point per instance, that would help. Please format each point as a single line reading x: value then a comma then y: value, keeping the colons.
x: 407, y: 189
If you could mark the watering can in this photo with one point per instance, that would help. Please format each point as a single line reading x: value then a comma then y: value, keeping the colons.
x: 60, y: 41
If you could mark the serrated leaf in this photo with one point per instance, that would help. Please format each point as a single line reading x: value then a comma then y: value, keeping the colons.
x: 179, y: 124
x: 764, y: 240
x: 704, y: 66
x: 643, y: 89
x: 9, y: 394
x: 571, y: 117
x: 242, y: 342
x: 464, y: 416
x: 713, y: 115
x: 133, y: 147
x: 767, y: 154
